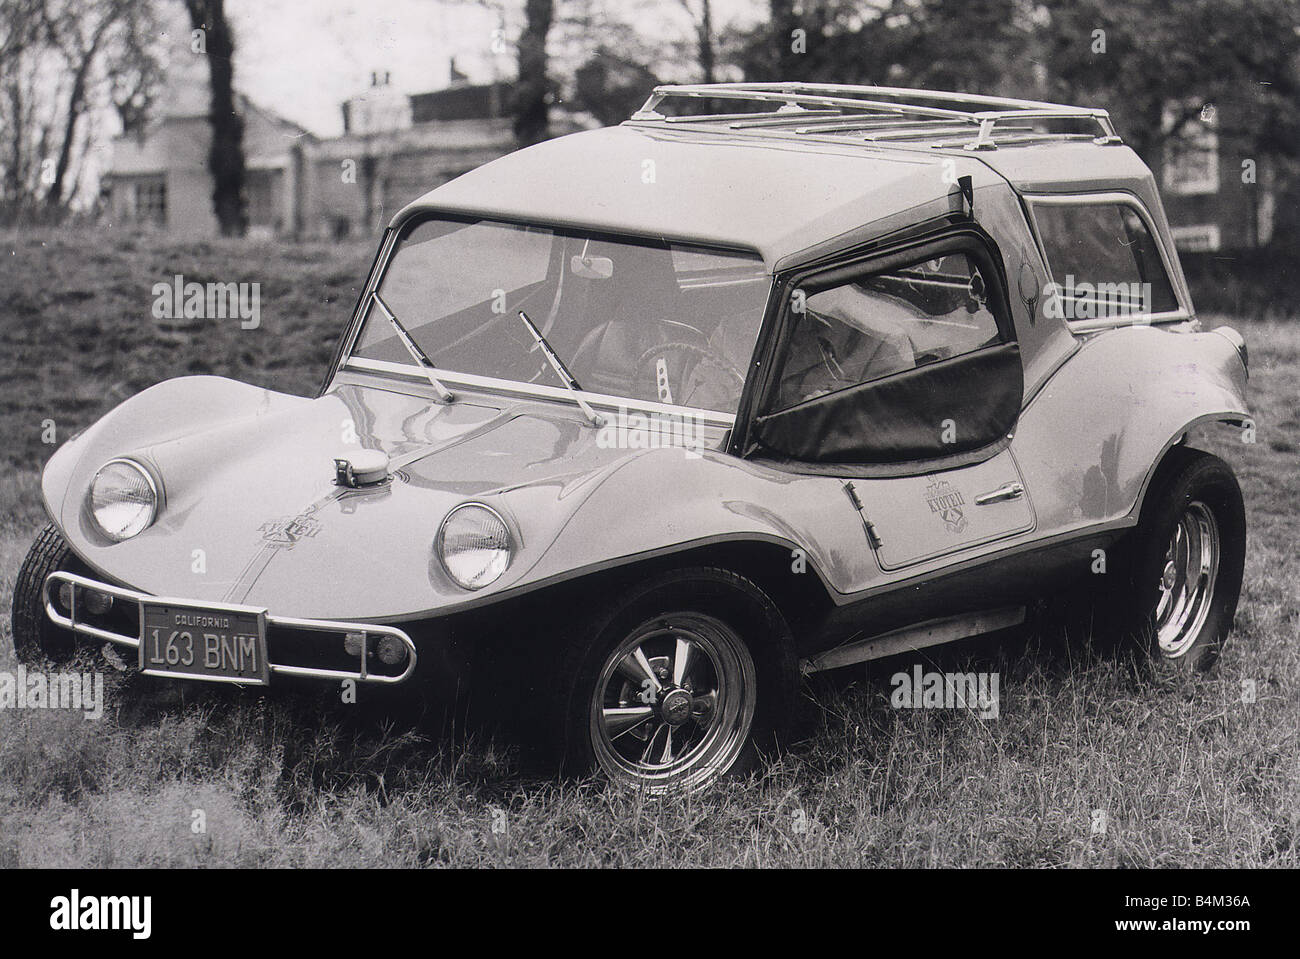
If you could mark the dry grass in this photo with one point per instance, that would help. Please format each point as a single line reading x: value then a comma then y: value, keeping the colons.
x: 1187, y: 773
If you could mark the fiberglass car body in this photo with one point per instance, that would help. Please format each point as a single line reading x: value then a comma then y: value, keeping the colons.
x: 630, y: 426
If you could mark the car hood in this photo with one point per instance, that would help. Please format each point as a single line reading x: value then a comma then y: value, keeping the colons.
x: 252, y: 514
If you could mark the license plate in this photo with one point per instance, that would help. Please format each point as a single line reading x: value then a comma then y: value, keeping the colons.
x: 221, y: 645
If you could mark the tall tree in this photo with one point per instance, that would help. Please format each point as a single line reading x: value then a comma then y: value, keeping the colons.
x: 21, y: 32
x: 135, y: 67
x: 611, y: 87
x: 701, y: 12
x: 533, y: 89
x: 79, y: 31
x: 781, y: 55
x: 226, y: 155
x: 61, y: 65
x: 1155, y: 66
x: 974, y: 45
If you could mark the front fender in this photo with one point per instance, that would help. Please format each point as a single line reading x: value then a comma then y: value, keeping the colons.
x: 167, y: 411
x: 669, y: 500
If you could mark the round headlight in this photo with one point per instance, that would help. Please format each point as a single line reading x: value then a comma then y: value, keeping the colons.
x: 474, y: 545
x: 123, y: 499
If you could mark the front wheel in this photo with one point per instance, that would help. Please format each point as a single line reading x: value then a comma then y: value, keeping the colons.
x: 678, y: 684
x: 35, y: 637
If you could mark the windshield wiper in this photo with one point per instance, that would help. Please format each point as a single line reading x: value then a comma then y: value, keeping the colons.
x: 562, y: 372
x: 421, y: 358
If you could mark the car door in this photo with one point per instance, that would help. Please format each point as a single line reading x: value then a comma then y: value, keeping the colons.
x: 901, y: 374
x: 918, y: 518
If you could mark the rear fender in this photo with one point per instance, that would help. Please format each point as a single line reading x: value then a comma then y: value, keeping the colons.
x: 1090, y: 441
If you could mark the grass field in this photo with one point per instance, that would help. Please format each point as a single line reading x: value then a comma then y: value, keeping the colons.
x: 1185, y: 772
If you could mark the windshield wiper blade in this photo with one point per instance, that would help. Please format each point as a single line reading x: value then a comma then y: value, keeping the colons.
x: 421, y: 358
x: 562, y: 372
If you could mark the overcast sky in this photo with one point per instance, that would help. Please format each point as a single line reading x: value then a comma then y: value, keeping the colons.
x: 302, y: 58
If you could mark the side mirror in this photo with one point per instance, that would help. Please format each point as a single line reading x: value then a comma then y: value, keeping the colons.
x: 591, y: 267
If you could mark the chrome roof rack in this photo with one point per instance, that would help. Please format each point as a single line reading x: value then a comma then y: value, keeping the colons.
x: 887, y: 115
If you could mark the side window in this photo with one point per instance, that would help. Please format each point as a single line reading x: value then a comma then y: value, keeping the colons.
x: 885, y: 323
x: 1104, y: 262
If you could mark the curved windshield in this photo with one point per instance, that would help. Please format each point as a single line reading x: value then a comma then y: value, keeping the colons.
x: 639, y: 319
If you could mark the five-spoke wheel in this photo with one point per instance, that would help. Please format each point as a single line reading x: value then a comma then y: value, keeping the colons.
x: 674, y: 702
x: 677, y: 681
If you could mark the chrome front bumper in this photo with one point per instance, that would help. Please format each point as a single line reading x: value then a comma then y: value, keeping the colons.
x: 365, y: 632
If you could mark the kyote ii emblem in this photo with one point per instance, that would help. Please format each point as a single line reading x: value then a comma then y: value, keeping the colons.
x: 947, y: 501
x: 285, y: 533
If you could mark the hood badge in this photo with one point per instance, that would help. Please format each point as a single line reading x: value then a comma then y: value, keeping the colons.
x: 361, y: 470
x: 286, y: 533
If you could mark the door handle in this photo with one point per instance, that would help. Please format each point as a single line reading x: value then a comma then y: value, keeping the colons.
x: 1007, y: 491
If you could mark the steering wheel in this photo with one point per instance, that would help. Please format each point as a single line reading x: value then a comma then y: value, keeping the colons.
x: 654, y: 376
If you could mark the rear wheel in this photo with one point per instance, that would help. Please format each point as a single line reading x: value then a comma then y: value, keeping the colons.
x: 678, y: 684
x: 1188, y: 561
x: 35, y: 637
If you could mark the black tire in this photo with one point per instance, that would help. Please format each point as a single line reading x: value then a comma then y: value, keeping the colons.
x: 36, y: 639
x: 1171, y: 618
x: 729, y: 624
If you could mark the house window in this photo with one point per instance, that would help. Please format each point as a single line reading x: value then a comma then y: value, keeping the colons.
x: 260, y: 191
x: 1201, y: 238
x: 1191, y: 166
x: 151, y: 201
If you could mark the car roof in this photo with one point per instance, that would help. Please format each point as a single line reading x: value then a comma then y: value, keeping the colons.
x: 789, y: 180
x: 692, y: 186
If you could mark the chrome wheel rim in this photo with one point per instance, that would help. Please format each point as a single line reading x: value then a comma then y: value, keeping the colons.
x: 1187, y: 580
x: 673, y: 704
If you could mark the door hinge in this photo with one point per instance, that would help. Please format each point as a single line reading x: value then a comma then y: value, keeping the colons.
x: 873, y: 537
